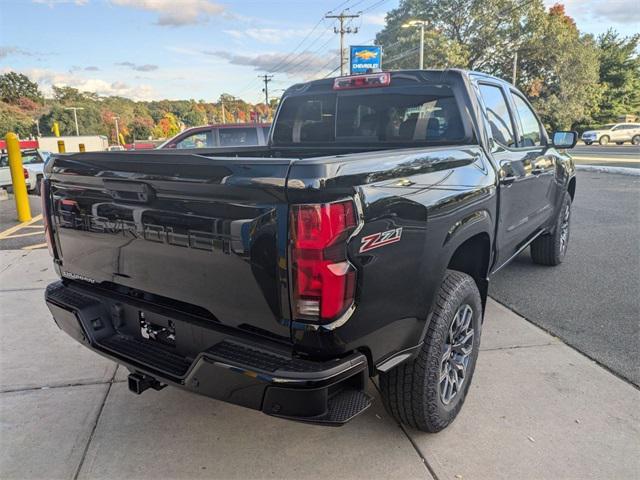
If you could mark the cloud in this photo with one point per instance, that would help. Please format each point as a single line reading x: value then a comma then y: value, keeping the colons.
x: 53, y: 3
x: 177, y: 13
x: 7, y: 50
x: 620, y: 12
x: 305, y: 62
x: 147, y: 67
x: 47, y: 78
x: 266, y: 35
x: 378, y: 19
x: 91, y: 68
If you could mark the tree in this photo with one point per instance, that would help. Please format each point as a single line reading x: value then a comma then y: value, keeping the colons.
x: 12, y: 119
x: 620, y: 76
x: 141, y: 128
x: 168, y: 126
x: 473, y: 34
x: 14, y: 86
x: 556, y: 65
x: 558, y: 70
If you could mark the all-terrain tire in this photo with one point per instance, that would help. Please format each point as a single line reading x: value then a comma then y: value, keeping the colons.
x: 411, y: 392
x: 551, y: 248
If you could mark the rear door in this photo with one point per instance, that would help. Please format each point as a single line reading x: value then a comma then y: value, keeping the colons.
x: 208, y: 234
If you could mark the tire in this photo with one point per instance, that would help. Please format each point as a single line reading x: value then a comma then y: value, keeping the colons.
x: 604, y: 140
x: 415, y: 392
x: 635, y: 140
x: 550, y: 249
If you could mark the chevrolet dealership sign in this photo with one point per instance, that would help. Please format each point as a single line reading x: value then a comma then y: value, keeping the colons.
x: 365, y: 58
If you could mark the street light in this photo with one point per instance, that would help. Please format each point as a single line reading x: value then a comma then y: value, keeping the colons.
x: 75, y: 117
x: 421, y: 24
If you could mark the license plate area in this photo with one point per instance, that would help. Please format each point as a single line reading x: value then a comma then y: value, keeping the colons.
x: 157, y: 329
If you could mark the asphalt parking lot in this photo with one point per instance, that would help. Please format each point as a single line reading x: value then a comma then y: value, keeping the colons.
x: 591, y: 300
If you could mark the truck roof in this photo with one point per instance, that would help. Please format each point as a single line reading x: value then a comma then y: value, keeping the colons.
x: 427, y: 75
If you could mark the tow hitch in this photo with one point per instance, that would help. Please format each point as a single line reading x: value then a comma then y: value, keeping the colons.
x: 138, y: 383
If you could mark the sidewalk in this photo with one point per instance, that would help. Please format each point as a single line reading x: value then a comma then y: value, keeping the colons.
x: 537, y: 409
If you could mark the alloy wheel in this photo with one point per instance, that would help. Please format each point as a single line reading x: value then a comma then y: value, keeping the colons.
x: 458, y: 347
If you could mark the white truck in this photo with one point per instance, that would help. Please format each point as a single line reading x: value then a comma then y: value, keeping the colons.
x: 92, y: 143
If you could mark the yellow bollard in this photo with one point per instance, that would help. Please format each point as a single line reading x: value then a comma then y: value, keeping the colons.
x: 81, y: 147
x: 56, y: 129
x: 17, y: 178
x: 61, y: 148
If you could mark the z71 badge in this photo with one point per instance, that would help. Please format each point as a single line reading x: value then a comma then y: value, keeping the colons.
x: 376, y: 240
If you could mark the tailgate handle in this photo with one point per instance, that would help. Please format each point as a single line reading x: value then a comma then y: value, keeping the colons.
x: 130, y: 191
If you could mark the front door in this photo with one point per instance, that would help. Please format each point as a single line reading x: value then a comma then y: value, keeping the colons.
x: 525, y: 172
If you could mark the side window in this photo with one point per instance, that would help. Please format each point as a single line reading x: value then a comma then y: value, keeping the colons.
x: 197, y: 140
x: 4, y: 161
x: 498, y: 112
x: 238, y: 137
x: 529, y: 126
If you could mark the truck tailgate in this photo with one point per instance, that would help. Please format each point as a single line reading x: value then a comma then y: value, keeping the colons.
x: 207, y: 233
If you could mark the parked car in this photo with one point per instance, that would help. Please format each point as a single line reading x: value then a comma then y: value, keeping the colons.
x: 617, y: 132
x: 223, y: 135
x: 115, y: 148
x: 358, y: 243
x: 33, y: 161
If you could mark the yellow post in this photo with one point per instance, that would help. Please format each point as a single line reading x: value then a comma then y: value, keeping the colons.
x: 81, y: 147
x: 56, y: 129
x: 61, y: 148
x: 17, y: 178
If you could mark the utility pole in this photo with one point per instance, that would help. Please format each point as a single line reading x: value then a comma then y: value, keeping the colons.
x: 224, y: 115
x: 116, y: 118
x: 266, y: 79
x: 342, y: 30
x: 75, y: 117
x: 515, y: 67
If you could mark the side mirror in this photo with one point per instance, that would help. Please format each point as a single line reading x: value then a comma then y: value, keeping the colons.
x: 565, y: 139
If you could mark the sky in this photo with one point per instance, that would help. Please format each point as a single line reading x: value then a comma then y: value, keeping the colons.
x: 183, y: 49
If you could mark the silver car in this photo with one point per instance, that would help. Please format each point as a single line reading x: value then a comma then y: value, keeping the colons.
x: 615, y: 132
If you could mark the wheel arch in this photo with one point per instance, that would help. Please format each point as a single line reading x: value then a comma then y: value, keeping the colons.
x: 473, y: 257
x: 571, y: 188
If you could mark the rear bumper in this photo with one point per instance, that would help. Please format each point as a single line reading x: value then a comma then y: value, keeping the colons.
x: 234, y: 368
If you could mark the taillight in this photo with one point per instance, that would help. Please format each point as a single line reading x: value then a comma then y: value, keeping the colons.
x: 323, y: 278
x: 381, y: 79
x: 26, y: 173
x: 48, y: 233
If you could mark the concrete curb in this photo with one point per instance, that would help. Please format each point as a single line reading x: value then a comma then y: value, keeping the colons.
x: 605, y: 169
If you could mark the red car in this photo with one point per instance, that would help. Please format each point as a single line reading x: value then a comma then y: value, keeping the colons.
x: 223, y: 135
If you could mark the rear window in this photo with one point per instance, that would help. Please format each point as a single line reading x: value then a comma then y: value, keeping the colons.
x: 431, y: 114
x: 233, y: 137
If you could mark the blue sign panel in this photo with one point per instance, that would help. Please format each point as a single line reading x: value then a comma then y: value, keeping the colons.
x: 365, y: 58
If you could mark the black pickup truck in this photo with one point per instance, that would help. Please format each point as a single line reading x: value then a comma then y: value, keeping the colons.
x: 358, y: 243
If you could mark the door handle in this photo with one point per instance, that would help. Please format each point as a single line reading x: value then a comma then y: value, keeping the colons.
x: 508, y: 180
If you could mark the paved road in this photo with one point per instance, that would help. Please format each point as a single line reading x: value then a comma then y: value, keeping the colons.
x: 592, y: 300
x: 14, y: 236
x: 611, y: 155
